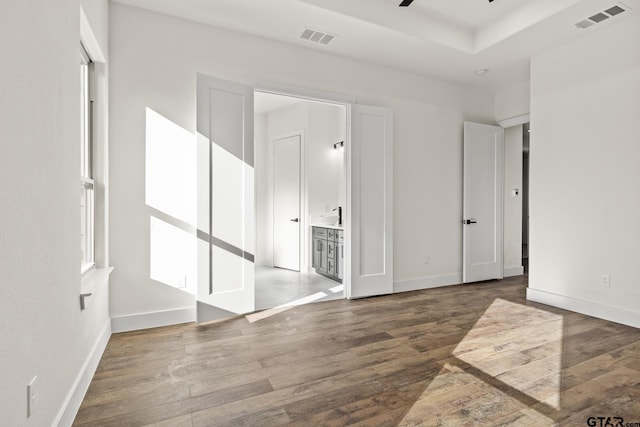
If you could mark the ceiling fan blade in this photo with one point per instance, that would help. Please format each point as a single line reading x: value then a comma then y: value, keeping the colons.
x: 406, y: 3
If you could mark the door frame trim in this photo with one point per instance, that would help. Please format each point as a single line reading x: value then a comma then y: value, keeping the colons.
x: 300, y: 92
x: 515, y: 121
x: 303, y: 189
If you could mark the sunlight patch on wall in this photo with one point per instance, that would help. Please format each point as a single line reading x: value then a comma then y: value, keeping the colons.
x: 171, y: 170
x: 172, y: 256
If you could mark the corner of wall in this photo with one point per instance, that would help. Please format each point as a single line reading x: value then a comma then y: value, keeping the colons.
x: 81, y: 384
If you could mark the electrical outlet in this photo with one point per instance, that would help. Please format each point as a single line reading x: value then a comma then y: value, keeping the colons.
x: 605, y: 280
x: 31, y: 396
x: 426, y: 259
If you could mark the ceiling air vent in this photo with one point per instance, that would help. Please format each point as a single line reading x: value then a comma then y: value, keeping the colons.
x: 584, y: 24
x: 602, y: 16
x: 598, y: 17
x: 317, y: 36
x: 615, y: 10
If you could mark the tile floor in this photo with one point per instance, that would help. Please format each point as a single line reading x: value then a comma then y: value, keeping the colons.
x: 276, y: 287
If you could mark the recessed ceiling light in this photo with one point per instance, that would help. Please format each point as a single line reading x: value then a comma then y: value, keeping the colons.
x: 481, y: 72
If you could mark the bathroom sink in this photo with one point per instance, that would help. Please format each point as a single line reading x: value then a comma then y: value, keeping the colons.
x: 325, y: 220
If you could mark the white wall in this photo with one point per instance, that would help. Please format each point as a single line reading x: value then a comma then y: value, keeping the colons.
x: 325, y: 165
x: 513, y: 203
x: 512, y: 101
x: 43, y: 331
x: 154, y: 62
x: 97, y: 13
x: 584, y: 169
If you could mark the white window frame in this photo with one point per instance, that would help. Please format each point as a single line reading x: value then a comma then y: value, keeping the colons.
x: 87, y: 184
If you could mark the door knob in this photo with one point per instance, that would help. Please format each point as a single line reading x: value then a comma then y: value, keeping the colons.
x: 469, y: 221
x: 294, y: 220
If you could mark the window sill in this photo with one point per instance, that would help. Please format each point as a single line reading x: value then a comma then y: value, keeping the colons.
x: 86, y: 269
x: 94, y: 279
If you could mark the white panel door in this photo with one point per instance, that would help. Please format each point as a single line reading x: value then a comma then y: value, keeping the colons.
x: 483, y: 202
x: 286, y: 203
x: 226, y: 213
x: 370, y: 202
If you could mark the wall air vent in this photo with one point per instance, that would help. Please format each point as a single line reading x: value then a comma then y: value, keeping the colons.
x: 317, y: 36
x: 602, y: 16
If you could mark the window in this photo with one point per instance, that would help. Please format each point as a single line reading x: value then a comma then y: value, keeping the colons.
x: 86, y: 165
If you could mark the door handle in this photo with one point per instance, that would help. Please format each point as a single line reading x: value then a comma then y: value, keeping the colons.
x: 294, y: 220
x: 469, y: 221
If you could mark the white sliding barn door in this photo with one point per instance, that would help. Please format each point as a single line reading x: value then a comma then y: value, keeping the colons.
x: 370, y: 213
x: 226, y: 213
x: 483, y: 202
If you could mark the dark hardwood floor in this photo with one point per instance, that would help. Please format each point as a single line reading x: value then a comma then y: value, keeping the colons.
x: 463, y: 355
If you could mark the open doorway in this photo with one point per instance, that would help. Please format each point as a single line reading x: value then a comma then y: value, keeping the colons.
x: 227, y: 179
x: 525, y: 197
x: 515, y: 200
x: 300, y: 182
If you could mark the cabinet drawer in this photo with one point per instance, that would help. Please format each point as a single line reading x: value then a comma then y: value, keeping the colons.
x: 332, y: 267
x: 319, y: 232
x: 331, y: 248
x: 331, y: 234
x: 340, y: 236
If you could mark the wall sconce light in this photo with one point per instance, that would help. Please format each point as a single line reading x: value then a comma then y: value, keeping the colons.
x: 338, y: 144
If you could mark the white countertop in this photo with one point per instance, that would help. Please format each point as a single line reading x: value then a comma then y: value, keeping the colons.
x: 335, y: 227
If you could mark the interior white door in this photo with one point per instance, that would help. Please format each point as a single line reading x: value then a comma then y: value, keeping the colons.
x: 286, y: 203
x: 226, y: 213
x: 370, y: 202
x: 483, y: 202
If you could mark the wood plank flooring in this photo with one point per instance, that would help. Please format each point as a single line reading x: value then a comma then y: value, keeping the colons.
x: 463, y: 355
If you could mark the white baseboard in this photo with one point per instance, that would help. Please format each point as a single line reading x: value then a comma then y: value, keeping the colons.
x: 601, y: 311
x: 80, y: 386
x: 513, y: 271
x: 427, y: 282
x: 155, y: 319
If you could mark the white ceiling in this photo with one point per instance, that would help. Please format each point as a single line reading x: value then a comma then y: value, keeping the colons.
x: 471, y: 14
x: 446, y: 39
